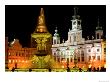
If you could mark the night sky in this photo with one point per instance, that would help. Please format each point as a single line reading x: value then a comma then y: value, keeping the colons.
x: 20, y: 21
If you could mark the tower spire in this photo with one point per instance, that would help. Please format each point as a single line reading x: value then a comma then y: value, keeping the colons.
x: 75, y: 11
x: 56, y: 30
x: 98, y: 25
x: 41, y: 26
x: 98, y: 22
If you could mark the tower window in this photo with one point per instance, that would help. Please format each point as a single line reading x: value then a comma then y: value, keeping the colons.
x: 79, y: 23
x: 97, y: 35
x: 70, y: 39
x: 74, y: 22
x: 54, y: 41
x: 98, y: 50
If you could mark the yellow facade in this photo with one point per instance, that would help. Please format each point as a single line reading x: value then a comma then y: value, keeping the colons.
x: 103, y: 59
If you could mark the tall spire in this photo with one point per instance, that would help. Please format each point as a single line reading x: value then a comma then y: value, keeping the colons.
x: 41, y: 26
x: 98, y: 25
x: 76, y: 13
x: 56, y: 33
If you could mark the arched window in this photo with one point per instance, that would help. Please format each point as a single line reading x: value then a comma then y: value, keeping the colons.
x: 82, y: 53
x: 97, y: 35
x: 54, y: 41
x: 70, y: 39
x: 74, y: 38
x: 71, y: 59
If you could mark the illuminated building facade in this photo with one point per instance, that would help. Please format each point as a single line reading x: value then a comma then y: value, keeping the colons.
x: 39, y: 55
x: 43, y: 53
x: 88, y: 52
x: 19, y: 57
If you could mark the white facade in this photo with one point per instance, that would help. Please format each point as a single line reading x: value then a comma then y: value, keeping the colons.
x: 85, y: 50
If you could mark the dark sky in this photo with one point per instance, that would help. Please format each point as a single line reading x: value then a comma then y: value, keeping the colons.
x: 20, y: 21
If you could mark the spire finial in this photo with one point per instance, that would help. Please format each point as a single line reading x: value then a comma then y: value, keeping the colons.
x: 42, y: 12
x: 75, y: 10
x: 56, y: 30
x: 41, y: 26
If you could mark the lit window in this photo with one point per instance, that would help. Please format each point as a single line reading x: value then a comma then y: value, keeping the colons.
x: 9, y: 61
x: 19, y: 61
x: 26, y: 61
x: 13, y: 61
x: 23, y: 61
x: 9, y: 53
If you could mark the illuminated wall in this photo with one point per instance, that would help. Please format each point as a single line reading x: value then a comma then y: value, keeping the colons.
x: 19, y: 57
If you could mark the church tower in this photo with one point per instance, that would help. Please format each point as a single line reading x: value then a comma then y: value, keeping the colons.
x: 99, y: 31
x: 41, y: 39
x: 75, y: 34
x: 56, y: 37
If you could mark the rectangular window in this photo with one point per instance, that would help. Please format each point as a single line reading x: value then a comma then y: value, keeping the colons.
x: 82, y: 59
x: 97, y: 35
x: 78, y: 59
x: 58, y: 59
x: 98, y: 50
x: 98, y: 58
x: 71, y: 59
x: 89, y: 58
x: 70, y: 39
x: 93, y: 57
x: 89, y: 50
x: 104, y: 49
x: 54, y: 41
